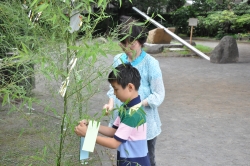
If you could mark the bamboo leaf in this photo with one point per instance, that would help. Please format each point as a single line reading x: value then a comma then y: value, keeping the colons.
x: 24, y: 48
x: 120, y: 1
x: 6, y: 99
x: 160, y: 16
x: 99, y: 3
x: 21, y: 133
x: 64, y: 17
x: 89, y: 9
x: 79, y: 6
x: 37, y: 158
x: 42, y: 7
x: 33, y: 3
x: 74, y: 47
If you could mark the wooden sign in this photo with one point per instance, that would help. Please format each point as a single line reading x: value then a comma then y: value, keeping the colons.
x: 192, y: 21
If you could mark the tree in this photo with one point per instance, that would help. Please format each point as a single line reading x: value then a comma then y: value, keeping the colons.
x: 242, y: 23
x: 173, y: 5
x: 126, y: 6
x: 55, y: 38
x: 219, y: 23
x: 242, y: 8
x: 202, y: 7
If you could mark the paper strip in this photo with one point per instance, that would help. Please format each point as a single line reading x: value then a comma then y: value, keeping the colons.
x: 75, y: 21
x: 90, y: 138
x: 83, y: 154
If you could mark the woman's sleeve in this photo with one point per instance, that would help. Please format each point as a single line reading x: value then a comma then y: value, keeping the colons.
x: 110, y: 92
x: 116, y: 62
x: 156, y: 84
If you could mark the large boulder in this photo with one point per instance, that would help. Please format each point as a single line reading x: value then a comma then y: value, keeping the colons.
x: 226, y: 52
x: 159, y: 36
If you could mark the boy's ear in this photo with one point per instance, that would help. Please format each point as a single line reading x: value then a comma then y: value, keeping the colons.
x: 131, y: 86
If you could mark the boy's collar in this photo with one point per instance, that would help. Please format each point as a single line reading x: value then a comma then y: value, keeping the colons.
x: 133, y: 102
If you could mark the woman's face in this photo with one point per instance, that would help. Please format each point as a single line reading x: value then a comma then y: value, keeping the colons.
x: 132, y: 49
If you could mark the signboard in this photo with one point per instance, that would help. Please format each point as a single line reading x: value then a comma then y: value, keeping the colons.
x: 192, y: 21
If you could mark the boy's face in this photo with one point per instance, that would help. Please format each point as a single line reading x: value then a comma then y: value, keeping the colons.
x: 120, y: 93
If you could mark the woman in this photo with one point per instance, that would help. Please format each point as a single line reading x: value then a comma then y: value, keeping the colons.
x: 152, y: 91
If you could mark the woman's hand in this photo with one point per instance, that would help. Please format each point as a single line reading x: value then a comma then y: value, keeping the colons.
x: 109, y: 107
x: 145, y: 103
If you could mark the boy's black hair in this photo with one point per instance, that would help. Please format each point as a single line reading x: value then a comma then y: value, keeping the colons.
x: 125, y: 74
x: 130, y: 31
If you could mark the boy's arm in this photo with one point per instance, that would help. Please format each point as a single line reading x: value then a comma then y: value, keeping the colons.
x: 107, y: 131
x: 81, y: 130
x: 108, y: 142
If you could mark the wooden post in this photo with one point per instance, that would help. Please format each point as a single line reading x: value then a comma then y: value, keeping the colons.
x: 191, y: 34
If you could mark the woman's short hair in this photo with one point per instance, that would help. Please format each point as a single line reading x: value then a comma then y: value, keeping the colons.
x: 131, y: 30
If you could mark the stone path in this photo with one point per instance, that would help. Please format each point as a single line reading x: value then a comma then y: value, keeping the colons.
x: 206, y: 113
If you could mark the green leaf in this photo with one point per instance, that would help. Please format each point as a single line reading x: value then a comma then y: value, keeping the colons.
x: 120, y: 2
x: 42, y: 7
x: 74, y: 47
x: 33, y: 3
x: 44, y: 151
x: 24, y: 48
x: 6, y: 99
x: 21, y: 133
x: 64, y: 17
x: 160, y: 16
x: 79, y: 6
x: 99, y: 3
x: 37, y: 158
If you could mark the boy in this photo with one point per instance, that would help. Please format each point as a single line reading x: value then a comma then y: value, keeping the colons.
x: 128, y: 132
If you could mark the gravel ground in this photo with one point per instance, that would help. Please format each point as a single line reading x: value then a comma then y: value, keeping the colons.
x: 205, y: 115
x: 206, y: 111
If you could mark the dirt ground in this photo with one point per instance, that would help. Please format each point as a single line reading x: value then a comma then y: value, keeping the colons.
x: 205, y: 117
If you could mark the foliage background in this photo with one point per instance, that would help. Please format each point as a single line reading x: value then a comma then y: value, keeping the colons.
x: 43, y: 49
x: 44, y: 120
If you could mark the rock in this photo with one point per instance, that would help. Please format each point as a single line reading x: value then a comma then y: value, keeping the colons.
x: 153, y: 48
x: 159, y: 36
x: 226, y: 52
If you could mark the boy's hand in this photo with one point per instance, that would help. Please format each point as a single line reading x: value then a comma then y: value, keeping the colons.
x: 85, y: 121
x: 81, y: 129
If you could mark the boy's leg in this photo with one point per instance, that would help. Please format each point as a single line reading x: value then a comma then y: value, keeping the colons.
x: 151, y: 150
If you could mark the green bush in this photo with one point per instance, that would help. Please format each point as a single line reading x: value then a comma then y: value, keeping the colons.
x: 50, y: 46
